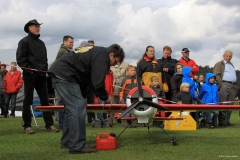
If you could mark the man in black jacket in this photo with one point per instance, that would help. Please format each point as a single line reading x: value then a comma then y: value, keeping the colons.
x: 168, y: 65
x: 72, y: 74
x: 32, y: 58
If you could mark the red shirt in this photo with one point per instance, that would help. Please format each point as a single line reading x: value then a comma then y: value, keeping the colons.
x: 190, y: 63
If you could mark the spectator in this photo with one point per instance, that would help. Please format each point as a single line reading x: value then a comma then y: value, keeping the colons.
x: 187, y: 73
x: 109, y: 88
x: 184, y: 97
x: 32, y: 54
x: 209, y: 94
x: 176, y: 80
x: 71, y: 79
x: 82, y: 44
x: 186, y: 61
x: 4, y: 69
x: 156, y: 87
x: 128, y: 83
x: 89, y: 90
x: 119, y: 73
x: 2, y: 75
x: 12, y: 84
x: 90, y: 42
x: 148, y: 67
x: 65, y: 48
x: 159, y: 93
x: 168, y: 65
x: 201, y: 81
x: 226, y: 82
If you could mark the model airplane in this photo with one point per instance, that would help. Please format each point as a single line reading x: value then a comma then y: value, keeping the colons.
x: 142, y: 102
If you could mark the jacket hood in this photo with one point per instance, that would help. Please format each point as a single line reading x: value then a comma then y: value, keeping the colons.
x: 185, y: 71
x: 208, y: 76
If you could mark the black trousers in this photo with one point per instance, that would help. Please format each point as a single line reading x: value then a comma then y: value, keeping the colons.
x: 31, y: 81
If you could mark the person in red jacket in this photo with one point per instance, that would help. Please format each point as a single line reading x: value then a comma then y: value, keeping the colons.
x: 12, y: 84
x: 186, y: 61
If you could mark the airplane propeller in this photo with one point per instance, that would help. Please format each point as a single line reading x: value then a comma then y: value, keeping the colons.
x: 141, y: 100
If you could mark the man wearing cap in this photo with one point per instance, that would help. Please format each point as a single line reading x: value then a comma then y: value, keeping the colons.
x: 32, y: 54
x: 91, y: 42
x: 186, y: 61
x: 226, y: 80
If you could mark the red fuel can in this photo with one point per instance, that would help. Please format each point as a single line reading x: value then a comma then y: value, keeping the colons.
x: 105, y: 141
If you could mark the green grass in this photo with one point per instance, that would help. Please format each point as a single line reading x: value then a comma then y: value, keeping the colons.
x: 133, y: 144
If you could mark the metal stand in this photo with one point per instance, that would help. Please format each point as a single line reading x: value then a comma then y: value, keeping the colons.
x: 34, y: 118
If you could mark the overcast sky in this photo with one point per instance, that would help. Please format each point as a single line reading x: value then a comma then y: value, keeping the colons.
x: 206, y: 27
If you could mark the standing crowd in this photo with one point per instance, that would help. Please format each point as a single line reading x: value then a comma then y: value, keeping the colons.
x: 82, y: 72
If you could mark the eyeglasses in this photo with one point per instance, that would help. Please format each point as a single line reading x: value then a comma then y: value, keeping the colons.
x: 179, y: 67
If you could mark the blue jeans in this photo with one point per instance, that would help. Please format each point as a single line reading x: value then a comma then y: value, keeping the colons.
x: 211, y: 119
x: 8, y: 97
x: 60, y: 116
x: 74, y: 129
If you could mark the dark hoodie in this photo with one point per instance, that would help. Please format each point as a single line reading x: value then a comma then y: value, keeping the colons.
x: 176, y: 81
x: 209, y: 91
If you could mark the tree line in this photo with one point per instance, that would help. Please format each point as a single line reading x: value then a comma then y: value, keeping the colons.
x: 205, y: 69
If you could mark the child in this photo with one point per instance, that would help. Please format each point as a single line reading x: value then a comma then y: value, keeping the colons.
x: 128, y: 84
x: 187, y: 73
x: 184, y: 97
x: 155, y: 86
x: 209, y: 94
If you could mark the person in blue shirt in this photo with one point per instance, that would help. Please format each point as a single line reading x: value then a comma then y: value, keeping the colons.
x: 187, y: 74
x: 209, y: 95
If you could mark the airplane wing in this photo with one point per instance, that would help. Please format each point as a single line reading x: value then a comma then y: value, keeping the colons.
x: 171, y: 107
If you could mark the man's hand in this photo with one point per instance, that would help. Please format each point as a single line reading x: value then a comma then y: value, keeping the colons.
x: 109, y: 100
x: 121, y: 100
x: 179, y: 102
x: 165, y: 69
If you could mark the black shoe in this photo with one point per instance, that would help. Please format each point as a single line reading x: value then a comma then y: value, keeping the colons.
x: 64, y: 147
x: 210, y: 125
x: 230, y: 124
x: 203, y: 122
x: 85, y: 150
x: 12, y: 116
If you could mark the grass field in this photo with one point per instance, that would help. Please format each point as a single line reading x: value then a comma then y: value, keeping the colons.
x: 133, y: 144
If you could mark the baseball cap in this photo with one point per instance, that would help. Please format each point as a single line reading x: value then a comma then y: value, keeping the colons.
x: 185, y: 50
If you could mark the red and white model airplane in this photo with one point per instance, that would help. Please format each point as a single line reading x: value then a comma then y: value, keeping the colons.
x: 142, y: 102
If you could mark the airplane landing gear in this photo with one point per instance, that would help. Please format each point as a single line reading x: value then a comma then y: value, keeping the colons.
x: 174, y: 141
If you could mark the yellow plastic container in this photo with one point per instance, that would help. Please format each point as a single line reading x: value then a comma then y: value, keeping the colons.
x: 188, y: 123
